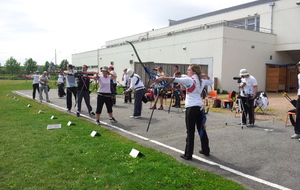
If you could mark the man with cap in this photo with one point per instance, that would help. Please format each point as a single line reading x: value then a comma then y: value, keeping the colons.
x: 43, y: 80
x: 137, y: 84
x: 248, y: 92
x: 297, y: 125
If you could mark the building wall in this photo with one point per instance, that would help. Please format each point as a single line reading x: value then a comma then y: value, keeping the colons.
x: 249, y: 50
x: 286, y: 25
x: 228, y: 49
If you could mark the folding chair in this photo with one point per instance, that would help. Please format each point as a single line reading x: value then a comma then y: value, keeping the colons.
x: 229, y: 101
x: 291, y: 114
x: 212, y: 96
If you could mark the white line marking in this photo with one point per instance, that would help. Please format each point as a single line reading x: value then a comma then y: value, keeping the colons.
x: 181, y: 152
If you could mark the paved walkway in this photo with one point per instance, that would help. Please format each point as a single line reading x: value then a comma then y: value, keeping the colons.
x: 262, y: 157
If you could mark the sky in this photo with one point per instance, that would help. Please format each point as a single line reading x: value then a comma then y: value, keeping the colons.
x: 45, y: 29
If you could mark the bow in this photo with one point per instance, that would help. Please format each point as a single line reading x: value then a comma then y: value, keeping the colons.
x: 164, y: 86
x: 152, y: 75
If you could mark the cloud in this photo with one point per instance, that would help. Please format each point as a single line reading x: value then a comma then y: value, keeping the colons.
x: 34, y: 28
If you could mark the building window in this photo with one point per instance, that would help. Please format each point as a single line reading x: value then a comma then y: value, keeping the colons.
x: 249, y: 23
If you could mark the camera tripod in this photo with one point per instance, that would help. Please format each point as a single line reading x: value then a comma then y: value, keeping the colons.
x: 238, y: 106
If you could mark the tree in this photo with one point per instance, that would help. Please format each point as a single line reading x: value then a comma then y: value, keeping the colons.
x: 46, y: 66
x: 12, y: 66
x: 30, y: 66
x: 63, y: 65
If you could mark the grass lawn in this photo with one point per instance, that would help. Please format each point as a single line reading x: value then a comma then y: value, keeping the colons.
x: 32, y: 157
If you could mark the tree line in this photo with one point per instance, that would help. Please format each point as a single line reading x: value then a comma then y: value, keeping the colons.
x: 13, y: 67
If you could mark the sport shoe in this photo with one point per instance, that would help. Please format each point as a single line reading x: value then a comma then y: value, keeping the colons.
x: 77, y: 114
x: 136, y: 117
x: 69, y: 111
x: 92, y: 113
x: 250, y: 125
x: 161, y: 108
x: 97, y: 122
x: 295, y: 136
x: 112, y: 120
x: 153, y: 107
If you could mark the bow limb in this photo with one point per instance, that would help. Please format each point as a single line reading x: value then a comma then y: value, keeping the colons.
x: 151, y: 74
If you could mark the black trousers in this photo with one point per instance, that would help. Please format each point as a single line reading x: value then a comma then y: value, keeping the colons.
x: 177, y: 93
x: 86, y: 96
x: 248, y: 108
x: 35, y: 87
x: 127, y: 97
x: 61, y: 90
x: 70, y: 91
x: 194, y: 117
x: 104, y: 99
x: 297, y: 126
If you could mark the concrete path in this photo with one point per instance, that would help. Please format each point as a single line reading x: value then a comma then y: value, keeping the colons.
x: 262, y: 157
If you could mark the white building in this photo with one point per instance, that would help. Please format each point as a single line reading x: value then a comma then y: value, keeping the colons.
x: 224, y: 41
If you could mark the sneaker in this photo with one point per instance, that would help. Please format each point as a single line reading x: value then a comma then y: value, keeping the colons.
x: 97, y: 122
x: 92, y: 113
x: 69, y: 111
x: 78, y: 114
x: 136, y: 117
x: 48, y: 100
x: 295, y: 136
x: 132, y: 116
x: 174, y: 105
x: 250, y: 125
x: 153, y: 107
x: 112, y: 120
x: 161, y: 108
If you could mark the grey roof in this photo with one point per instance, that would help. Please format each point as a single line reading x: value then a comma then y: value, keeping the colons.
x: 242, y: 6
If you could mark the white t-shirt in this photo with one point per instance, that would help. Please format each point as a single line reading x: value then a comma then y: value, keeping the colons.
x: 35, y: 79
x: 193, y: 89
x: 60, y: 79
x: 104, y: 84
x: 248, y: 88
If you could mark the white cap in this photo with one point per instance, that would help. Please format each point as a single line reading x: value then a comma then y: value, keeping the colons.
x: 244, y: 72
x: 129, y: 72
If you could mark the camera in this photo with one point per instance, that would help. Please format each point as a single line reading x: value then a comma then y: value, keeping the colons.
x: 239, y: 79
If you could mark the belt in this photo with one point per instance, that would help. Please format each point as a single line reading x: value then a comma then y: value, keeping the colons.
x: 140, y: 88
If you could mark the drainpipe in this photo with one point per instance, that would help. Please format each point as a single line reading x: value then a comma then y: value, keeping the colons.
x: 272, y: 6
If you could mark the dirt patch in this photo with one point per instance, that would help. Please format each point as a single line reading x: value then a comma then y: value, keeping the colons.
x: 277, y: 108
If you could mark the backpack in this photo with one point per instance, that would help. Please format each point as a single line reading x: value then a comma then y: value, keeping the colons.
x: 217, y: 103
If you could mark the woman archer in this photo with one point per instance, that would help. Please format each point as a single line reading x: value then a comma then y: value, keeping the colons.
x: 194, y: 115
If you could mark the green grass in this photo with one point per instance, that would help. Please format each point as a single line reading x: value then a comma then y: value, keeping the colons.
x: 32, y: 157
